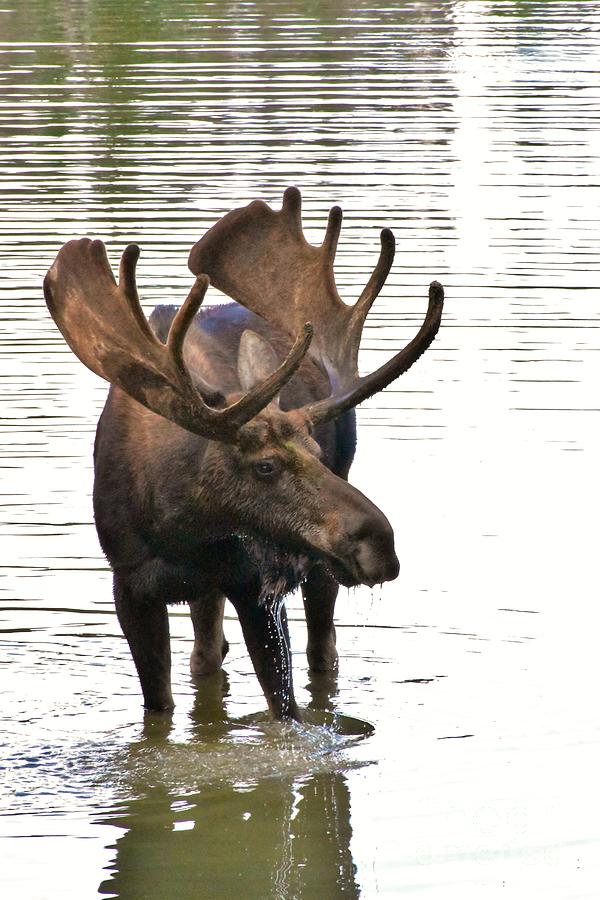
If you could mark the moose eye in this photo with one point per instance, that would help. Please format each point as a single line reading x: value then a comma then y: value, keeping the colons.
x: 265, y: 468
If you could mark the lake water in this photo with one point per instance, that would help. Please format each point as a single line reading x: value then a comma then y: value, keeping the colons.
x: 459, y: 754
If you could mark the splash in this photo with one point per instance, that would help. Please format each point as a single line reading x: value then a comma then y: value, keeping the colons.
x: 252, y: 749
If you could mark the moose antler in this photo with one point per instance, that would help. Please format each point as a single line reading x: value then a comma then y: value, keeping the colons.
x: 261, y: 258
x: 105, y: 326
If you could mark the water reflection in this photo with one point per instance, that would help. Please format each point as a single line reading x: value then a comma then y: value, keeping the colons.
x: 276, y: 836
x: 276, y: 839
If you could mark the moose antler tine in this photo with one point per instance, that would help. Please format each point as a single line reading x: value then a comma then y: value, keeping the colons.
x: 362, y: 388
x: 436, y: 295
x: 90, y: 250
x: 128, y: 286
x: 291, y: 209
x: 334, y: 225
x: 403, y: 360
x: 376, y: 281
x: 261, y: 395
x: 95, y: 247
x: 183, y: 320
x: 129, y: 259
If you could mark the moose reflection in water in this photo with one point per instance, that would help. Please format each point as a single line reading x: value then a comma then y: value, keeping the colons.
x: 222, y: 454
x: 286, y: 833
x: 299, y: 832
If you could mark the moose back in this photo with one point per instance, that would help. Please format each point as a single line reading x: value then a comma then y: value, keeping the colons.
x: 223, y: 451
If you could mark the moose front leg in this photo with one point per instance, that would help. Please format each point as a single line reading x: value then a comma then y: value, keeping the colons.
x: 145, y: 624
x: 266, y: 634
x: 210, y: 646
x: 319, y: 593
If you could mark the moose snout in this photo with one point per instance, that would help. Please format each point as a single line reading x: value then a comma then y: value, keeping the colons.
x: 374, y: 554
x: 364, y: 544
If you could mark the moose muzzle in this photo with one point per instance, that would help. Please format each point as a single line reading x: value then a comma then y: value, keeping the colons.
x: 362, y: 542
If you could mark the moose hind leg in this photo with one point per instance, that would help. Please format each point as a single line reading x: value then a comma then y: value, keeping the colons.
x: 210, y: 646
x: 319, y: 593
x: 266, y: 634
x: 145, y: 624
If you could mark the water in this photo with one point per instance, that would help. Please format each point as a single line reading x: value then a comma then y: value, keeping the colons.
x: 456, y: 752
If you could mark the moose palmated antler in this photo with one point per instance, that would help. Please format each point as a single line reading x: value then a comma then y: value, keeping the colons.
x: 105, y: 326
x: 261, y: 258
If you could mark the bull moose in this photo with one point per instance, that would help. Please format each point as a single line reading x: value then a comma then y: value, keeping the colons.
x: 223, y: 450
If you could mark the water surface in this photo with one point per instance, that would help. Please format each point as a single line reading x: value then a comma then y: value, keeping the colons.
x: 471, y: 130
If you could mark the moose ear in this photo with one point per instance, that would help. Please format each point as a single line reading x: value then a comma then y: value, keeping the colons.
x: 256, y: 360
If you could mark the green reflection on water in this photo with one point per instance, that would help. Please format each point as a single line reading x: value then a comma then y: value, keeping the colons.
x: 278, y: 835
x: 277, y: 839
